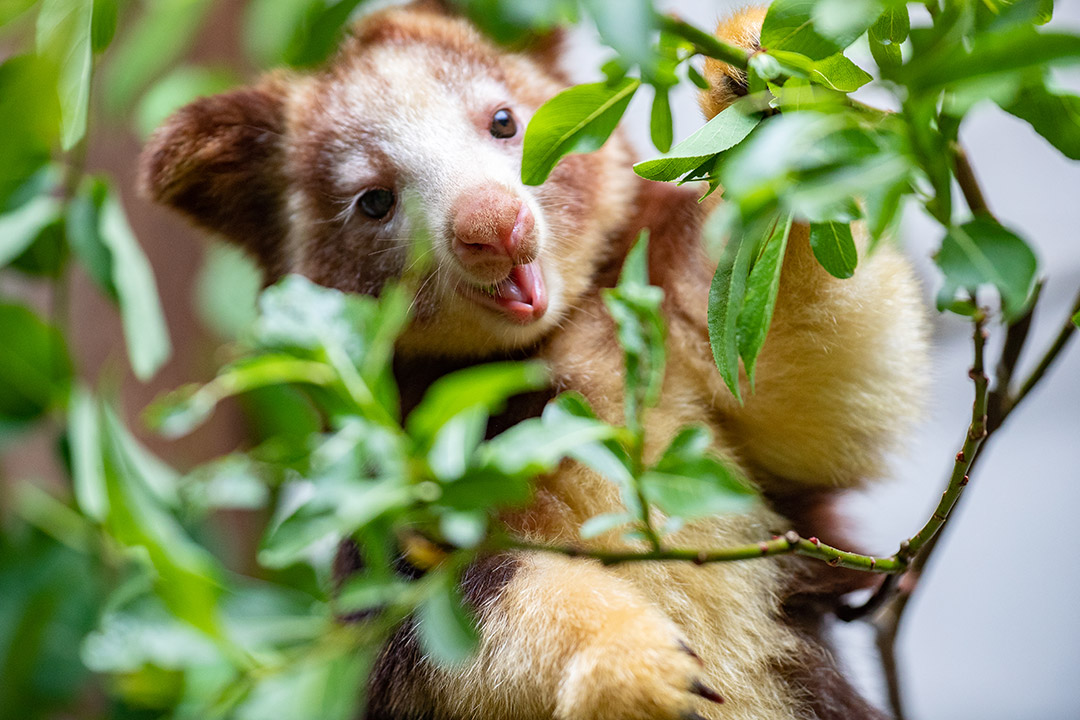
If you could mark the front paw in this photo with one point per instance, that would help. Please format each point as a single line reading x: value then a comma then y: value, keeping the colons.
x: 639, y: 669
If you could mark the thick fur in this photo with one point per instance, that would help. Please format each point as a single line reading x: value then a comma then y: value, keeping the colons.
x: 838, y: 381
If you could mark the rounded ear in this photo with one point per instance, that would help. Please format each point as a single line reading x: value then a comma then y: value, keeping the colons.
x: 219, y: 161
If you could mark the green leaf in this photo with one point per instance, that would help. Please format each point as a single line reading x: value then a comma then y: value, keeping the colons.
x: 726, y: 296
x: 483, y: 386
x: 1076, y: 319
x: 29, y: 121
x: 834, y: 248
x: 601, y: 524
x: 145, y: 332
x: 82, y: 223
x: 990, y: 54
x: 227, y: 290
x: 536, y: 446
x: 157, y: 39
x: 893, y: 26
x: 87, y: 461
x: 762, y: 287
x: 789, y: 25
x: 319, y: 34
x: 12, y: 9
x: 627, y: 26
x: 176, y: 89
x: 689, y: 481
x: 464, y: 529
x: 634, y: 304
x: 103, y: 27
x: 724, y: 131
x: 660, y: 128
x: 839, y: 73
x: 64, y: 35
x: 845, y: 20
x: 34, y: 365
x: 888, y: 56
x: 183, y: 410
x: 1054, y: 116
x: 47, y: 255
x: 455, y: 442
x: 447, y: 630
x: 577, y: 120
x: 20, y: 227
x: 982, y: 252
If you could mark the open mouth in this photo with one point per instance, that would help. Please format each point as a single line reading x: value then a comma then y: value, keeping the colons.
x: 521, y: 297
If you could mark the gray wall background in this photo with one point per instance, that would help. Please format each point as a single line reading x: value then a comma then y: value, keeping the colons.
x: 994, y: 631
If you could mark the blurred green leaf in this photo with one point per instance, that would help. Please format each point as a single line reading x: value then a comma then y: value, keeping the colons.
x: 232, y: 482
x: 464, y: 529
x: 536, y: 446
x: 103, y: 26
x: 320, y: 32
x: 660, y: 128
x: 577, y: 120
x: 50, y: 599
x: 298, y: 314
x: 724, y: 131
x: 176, y: 89
x: 29, y: 120
x: 990, y: 54
x: 834, y: 248
x: 627, y: 26
x: 762, y: 286
x: 982, y: 252
x: 145, y: 332
x: 20, y: 227
x: 446, y: 629
x: 789, y: 25
x: 34, y: 365
x: 12, y: 9
x: 1076, y: 319
x: 455, y: 442
x: 1055, y: 116
x: 517, y: 22
x: 845, y: 20
x: 601, y: 524
x: 64, y: 35
x: 634, y: 305
x: 486, y: 386
x: 159, y: 37
x: 227, y: 290
x: 82, y: 222
x: 181, y: 411
x: 87, y: 461
x: 47, y: 255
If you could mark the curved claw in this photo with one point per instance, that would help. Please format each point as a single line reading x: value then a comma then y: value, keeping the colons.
x: 689, y: 651
x: 699, y: 688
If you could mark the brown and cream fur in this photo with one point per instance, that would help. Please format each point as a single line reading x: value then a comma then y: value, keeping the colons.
x: 840, y: 377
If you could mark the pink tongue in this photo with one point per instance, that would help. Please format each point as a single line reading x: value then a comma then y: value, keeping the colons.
x: 523, y: 292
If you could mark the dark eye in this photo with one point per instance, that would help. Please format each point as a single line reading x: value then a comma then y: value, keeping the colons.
x: 503, y: 124
x: 376, y: 203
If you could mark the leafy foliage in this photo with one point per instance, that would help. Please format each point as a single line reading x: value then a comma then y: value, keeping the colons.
x: 118, y: 583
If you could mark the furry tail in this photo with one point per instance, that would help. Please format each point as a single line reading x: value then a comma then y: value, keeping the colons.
x: 726, y: 83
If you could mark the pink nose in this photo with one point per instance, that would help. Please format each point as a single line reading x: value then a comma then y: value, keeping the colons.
x: 492, y: 226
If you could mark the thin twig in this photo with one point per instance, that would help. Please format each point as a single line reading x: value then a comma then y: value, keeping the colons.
x: 1049, y: 356
x: 706, y: 43
x: 969, y: 185
x: 787, y: 544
